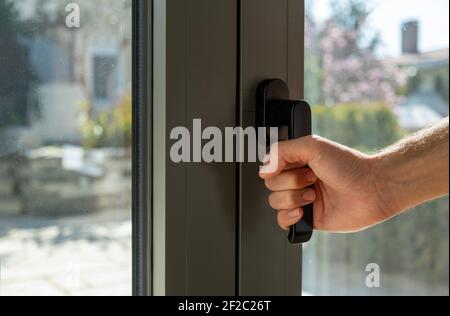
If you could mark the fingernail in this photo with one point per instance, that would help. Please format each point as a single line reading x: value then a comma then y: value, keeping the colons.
x: 310, y: 176
x: 294, y: 213
x: 309, y: 195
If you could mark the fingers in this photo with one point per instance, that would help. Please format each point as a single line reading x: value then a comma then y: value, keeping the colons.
x: 290, y: 186
x: 291, y: 180
x: 288, y: 218
x: 298, y: 151
x: 292, y: 199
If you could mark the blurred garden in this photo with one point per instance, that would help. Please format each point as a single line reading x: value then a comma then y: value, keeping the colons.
x: 65, y: 148
x: 355, y: 93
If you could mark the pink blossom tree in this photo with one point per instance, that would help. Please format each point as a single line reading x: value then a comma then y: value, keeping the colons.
x: 346, y: 49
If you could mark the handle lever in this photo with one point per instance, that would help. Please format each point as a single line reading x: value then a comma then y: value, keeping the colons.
x: 274, y: 109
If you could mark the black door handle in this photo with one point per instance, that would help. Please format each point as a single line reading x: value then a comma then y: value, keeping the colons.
x: 274, y: 109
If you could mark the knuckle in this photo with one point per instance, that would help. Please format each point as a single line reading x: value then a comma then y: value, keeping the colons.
x: 291, y: 200
x: 280, y: 220
x: 269, y: 184
x: 273, y: 200
x: 297, y: 180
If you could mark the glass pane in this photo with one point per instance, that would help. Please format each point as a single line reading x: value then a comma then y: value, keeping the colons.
x: 375, y: 72
x: 65, y: 157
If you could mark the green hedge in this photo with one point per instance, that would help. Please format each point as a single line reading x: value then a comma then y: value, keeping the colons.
x: 414, y: 244
x: 365, y: 127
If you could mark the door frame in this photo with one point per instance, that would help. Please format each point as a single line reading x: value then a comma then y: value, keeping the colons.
x: 160, y: 261
x: 142, y: 187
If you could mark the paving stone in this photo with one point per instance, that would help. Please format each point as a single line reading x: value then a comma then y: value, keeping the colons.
x: 30, y: 288
x: 77, y: 255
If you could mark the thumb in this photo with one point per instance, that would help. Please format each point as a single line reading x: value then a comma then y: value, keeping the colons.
x: 298, y: 151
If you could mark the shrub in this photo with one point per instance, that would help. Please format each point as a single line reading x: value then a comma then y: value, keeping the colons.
x: 109, y: 128
x: 367, y: 128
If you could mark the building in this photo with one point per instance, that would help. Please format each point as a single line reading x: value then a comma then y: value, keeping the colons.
x: 104, y: 65
x: 90, y: 65
x: 427, y: 98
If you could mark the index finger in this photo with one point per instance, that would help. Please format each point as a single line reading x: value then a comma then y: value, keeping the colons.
x: 288, y: 154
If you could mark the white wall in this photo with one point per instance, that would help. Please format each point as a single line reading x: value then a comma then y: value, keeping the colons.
x: 60, y: 108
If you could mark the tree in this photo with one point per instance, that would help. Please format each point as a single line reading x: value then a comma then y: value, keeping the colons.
x: 16, y: 81
x: 347, y: 48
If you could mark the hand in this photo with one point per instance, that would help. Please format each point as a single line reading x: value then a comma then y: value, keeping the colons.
x: 341, y: 183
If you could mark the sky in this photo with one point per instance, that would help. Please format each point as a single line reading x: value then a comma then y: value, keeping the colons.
x: 433, y: 16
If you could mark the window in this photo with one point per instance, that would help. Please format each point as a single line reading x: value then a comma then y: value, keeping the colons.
x: 103, y: 76
x: 66, y: 133
x: 65, y: 161
x: 371, y: 72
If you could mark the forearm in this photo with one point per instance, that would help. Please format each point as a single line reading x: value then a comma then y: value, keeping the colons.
x: 415, y: 170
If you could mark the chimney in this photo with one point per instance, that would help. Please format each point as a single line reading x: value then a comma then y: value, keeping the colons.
x: 410, y: 37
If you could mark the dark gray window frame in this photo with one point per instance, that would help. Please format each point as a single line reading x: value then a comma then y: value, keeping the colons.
x: 142, y: 147
x: 259, y: 247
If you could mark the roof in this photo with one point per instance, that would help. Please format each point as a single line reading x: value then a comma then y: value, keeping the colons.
x: 427, y: 60
x: 416, y: 116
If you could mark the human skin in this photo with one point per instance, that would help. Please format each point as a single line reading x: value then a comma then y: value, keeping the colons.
x: 352, y: 191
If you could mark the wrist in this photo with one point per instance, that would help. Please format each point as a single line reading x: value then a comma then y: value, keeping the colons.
x: 390, y: 184
x: 405, y: 181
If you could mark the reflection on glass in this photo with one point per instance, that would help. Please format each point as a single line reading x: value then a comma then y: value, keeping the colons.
x: 65, y: 158
x: 367, y: 95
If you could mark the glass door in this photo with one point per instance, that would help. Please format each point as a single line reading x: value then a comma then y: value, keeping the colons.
x: 376, y: 72
x: 65, y: 147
